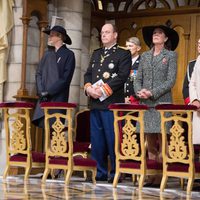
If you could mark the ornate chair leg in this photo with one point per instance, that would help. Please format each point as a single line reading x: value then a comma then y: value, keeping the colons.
x: 141, y: 181
x: 134, y: 178
x: 6, y: 172
x: 94, y: 172
x: 27, y: 172
x: 85, y: 174
x: 117, y: 174
x: 163, y: 183
x: 46, y: 172
x: 68, y: 176
x: 190, y: 185
x: 182, y: 182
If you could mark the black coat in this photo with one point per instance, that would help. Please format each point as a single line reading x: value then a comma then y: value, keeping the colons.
x: 113, y: 69
x: 54, y: 75
x: 186, y: 82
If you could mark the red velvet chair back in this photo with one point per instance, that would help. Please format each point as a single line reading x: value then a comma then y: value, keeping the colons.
x: 82, y: 126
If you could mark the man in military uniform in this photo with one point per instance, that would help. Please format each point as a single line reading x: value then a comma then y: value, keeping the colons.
x: 133, y: 44
x: 104, y: 84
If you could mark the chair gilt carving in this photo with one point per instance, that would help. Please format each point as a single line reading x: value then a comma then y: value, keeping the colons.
x: 177, y: 147
x: 130, y: 148
x: 18, y: 140
x: 59, y: 142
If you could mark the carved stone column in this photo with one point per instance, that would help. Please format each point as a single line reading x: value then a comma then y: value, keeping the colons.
x: 42, y: 25
x: 23, y: 91
x: 72, y: 14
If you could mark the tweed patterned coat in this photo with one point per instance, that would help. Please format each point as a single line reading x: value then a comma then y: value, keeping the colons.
x: 157, y: 74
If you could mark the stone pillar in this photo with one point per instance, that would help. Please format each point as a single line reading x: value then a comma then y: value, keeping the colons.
x: 85, y: 55
x: 72, y: 13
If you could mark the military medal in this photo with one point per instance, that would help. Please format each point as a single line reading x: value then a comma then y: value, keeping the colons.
x: 106, y: 75
x: 114, y: 75
x: 111, y: 65
x: 134, y: 74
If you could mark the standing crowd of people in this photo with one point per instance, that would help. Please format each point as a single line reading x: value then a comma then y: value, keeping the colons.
x: 118, y: 75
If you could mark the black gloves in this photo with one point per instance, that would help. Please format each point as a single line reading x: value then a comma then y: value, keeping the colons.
x: 44, y: 97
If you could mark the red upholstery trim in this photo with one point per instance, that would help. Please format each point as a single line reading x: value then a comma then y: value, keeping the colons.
x: 36, y: 156
x: 126, y: 106
x: 180, y: 167
x: 86, y: 162
x: 175, y: 107
x: 187, y: 100
x: 78, y: 161
x: 58, y: 160
x: 17, y: 104
x: 58, y: 104
x: 151, y: 164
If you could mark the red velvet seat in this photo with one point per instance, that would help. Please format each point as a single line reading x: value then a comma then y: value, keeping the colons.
x: 18, y: 138
x: 130, y: 146
x: 37, y: 157
x: 59, y: 142
x: 177, y: 148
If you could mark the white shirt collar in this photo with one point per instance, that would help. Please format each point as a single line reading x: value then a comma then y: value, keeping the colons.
x: 110, y: 46
x: 134, y: 59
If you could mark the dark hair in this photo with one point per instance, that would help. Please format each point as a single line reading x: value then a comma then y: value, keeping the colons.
x: 168, y: 45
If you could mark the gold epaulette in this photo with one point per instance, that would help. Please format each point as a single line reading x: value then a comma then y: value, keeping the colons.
x: 122, y: 47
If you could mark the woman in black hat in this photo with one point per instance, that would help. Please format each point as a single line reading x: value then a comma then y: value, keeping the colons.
x: 54, y: 72
x: 155, y: 79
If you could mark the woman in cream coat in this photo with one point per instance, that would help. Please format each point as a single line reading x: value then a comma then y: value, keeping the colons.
x: 194, y: 91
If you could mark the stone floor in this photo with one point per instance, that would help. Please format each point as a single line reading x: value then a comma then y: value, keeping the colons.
x: 13, y: 188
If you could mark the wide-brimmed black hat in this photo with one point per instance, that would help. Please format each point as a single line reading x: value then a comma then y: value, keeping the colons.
x: 60, y: 29
x: 172, y: 35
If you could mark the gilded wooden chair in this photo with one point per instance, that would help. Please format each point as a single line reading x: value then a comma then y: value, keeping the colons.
x: 130, y: 148
x: 18, y: 139
x: 177, y: 147
x: 59, y: 142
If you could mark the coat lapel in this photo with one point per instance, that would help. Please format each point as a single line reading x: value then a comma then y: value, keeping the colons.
x: 160, y: 56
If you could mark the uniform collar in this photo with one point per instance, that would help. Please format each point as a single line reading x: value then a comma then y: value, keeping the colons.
x: 108, y: 48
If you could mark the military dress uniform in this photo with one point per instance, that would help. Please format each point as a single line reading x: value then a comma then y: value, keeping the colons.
x: 186, y: 82
x: 129, y: 85
x: 112, y: 69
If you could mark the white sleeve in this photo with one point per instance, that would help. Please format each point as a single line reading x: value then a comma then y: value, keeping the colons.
x: 194, y: 84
